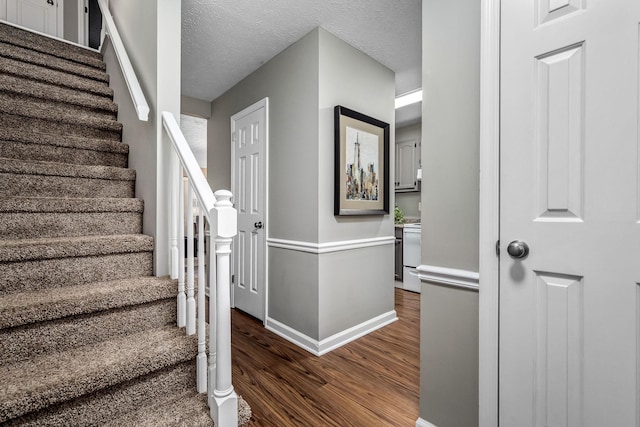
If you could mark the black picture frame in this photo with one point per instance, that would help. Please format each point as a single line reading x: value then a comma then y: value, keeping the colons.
x: 361, y: 164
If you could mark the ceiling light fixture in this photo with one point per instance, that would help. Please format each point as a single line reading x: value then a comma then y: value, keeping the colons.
x: 409, y: 98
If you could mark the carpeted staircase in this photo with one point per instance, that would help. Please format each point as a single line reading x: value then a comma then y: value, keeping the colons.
x: 87, y: 334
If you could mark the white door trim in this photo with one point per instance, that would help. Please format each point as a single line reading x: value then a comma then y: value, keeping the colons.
x: 263, y: 103
x: 489, y: 212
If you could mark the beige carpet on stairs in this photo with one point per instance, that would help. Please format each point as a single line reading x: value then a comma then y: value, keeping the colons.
x: 87, y: 333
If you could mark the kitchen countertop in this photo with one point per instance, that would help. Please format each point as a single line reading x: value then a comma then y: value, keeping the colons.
x: 408, y: 221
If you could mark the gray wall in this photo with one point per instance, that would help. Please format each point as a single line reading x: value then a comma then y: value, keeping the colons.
x: 290, y: 81
x: 450, y: 160
x: 449, y: 356
x: 354, y: 80
x: 408, y: 202
x: 304, y: 83
x: 195, y: 107
x: 155, y: 56
x: 71, y: 20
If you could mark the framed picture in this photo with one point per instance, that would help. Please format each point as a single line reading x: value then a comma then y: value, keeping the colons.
x: 361, y: 164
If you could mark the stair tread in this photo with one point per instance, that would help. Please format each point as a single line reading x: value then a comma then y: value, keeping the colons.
x: 31, y: 57
x: 52, y: 378
x: 22, y: 308
x: 70, y: 205
x: 64, y: 247
x: 36, y: 72
x: 70, y: 141
x: 25, y: 87
x: 34, y: 167
x: 102, y: 406
x: 50, y: 46
x: 186, y: 409
x: 32, y: 108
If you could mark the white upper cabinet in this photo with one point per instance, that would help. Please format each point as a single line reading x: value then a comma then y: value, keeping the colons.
x: 407, y: 164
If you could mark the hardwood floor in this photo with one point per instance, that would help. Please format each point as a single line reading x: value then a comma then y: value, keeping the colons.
x: 373, y: 381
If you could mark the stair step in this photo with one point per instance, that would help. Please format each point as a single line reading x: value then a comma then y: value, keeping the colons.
x: 50, y: 46
x: 29, y: 217
x: 104, y: 405
x: 22, y: 343
x: 36, y: 58
x: 36, y: 264
x: 96, y: 321
x: 27, y: 145
x: 41, y: 73
x: 25, y: 114
x: 57, y: 377
x: 50, y: 97
x: 42, y: 179
x: 186, y: 409
x: 22, y: 308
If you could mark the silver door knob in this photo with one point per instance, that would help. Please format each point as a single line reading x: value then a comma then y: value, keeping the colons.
x: 518, y: 249
x: 258, y: 224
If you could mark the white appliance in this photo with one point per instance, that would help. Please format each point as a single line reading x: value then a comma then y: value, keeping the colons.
x: 411, y: 256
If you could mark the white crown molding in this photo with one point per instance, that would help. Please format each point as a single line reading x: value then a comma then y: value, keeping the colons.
x: 318, y: 348
x: 449, y: 276
x: 327, y: 247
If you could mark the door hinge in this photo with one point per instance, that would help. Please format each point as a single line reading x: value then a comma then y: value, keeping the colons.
x: 497, y: 247
x: 233, y: 278
x: 86, y: 9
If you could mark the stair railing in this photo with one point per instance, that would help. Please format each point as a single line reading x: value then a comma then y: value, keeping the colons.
x: 221, y: 216
x: 135, y: 90
x: 214, y: 372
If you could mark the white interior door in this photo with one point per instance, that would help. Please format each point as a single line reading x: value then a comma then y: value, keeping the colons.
x: 569, y: 311
x: 45, y: 16
x: 249, y: 185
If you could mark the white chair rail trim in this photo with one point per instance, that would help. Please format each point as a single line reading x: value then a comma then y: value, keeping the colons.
x: 449, y: 276
x: 324, y: 346
x: 327, y: 247
x: 135, y: 90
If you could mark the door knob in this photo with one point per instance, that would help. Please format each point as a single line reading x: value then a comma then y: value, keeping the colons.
x: 258, y: 224
x: 518, y: 249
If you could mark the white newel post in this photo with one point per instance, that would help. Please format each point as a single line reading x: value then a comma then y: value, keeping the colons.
x: 224, y: 407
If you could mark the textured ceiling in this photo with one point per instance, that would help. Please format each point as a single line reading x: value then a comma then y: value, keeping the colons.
x: 224, y: 41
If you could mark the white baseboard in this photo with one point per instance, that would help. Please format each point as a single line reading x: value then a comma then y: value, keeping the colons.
x: 318, y: 348
x: 424, y: 423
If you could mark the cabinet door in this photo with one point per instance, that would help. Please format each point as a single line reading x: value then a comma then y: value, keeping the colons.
x: 406, y: 165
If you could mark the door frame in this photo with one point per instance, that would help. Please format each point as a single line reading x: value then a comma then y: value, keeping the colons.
x: 256, y: 106
x: 489, y: 210
x: 83, y: 22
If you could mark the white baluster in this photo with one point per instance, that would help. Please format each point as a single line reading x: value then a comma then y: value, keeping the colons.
x: 224, y: 411
x: 202, y: 338
x: 213, y: 309
x: 173, y: 234
x: 182, y: 297
x: 191, y: 302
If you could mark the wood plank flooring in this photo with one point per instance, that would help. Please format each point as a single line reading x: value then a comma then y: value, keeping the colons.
x: 373, y: 381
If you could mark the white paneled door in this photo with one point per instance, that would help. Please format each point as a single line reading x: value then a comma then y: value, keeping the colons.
x: 569, y: 309
x: 45, y: 16
x: 249, y: 147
